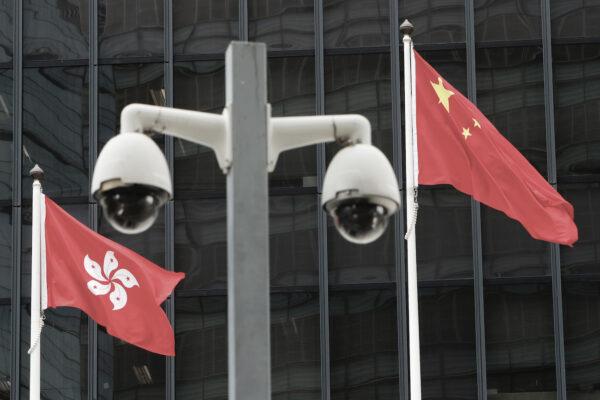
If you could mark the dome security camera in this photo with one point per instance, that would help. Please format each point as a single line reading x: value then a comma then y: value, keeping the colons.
x: 131, y: 182
x: 360, y: 192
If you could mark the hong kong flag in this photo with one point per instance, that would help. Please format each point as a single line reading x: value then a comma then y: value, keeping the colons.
x: 115, y: 286
x: 457, y: 145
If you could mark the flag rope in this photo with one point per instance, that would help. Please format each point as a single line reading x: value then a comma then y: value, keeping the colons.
x: 38, y: 334
x: 412, y: 214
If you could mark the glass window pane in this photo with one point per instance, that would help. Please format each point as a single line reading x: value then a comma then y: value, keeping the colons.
x: 201, y: 243
x: 363, y: 345
x: 360, y: 84
x: 510, y: 92
x: 508, y: 250
x: 204, y: 26
x: 356, y: 23
x: 291, y: 83
x: 130, y: 28
x: 64, y: 354
x: 5, y: 351
x: 435, y: 21
x: 122, y: 84
x: 126, y: 372
x: 447, y: 330
x: 198, y: 86
x: 55, y: 29
x: 55, y: 130
x: 282, y: 25
x: 201, y: 348
x: 444, y: 243
x: 584, y: 257
x: 497, y: 20
x: 581, y: 305
x: 6, y: 134
x: 6, y: 263
x: 295, y: 343
x: 576, y: 101
x: 519, y: 332
x: 575, y: 18
x: 294, y: 255
x: 6, y: 30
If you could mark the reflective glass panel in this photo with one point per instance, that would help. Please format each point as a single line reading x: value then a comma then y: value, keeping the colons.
x: 356, y: 23
x: 130, y: 28
x: 6, y: 30
x: 519, y: 336
x: 55, y: 130
x: 360, y: 84
x: 576, y: 101
x: 447, y: 330
x: 499, y: 20
x: 293, y: 240
x: 508, y: 250
x: 204, y: 26
x: 201, y: 243
x: 55, y: 29
x: 291, y: 85
x: 6, y: 134
x: 198, y: 86
x: 363, y: 345
x: 122, y: 84
x: 295, y: 356
x: 435, y: 21
x: 444, y: 243
x: 282, y: 25
x: 581, y: 310
x: 201, y: 348
x: 350, y: 263
x: 584, y: 256
x: 64, y: 354
x: 126, y: 372
x: 5, y: 351
x: 6, y: 263
x: 575, y: 18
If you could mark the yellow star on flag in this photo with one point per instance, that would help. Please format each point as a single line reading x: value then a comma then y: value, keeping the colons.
x: 466, y: 133
x: 476, y: 123
x: 442, y: 93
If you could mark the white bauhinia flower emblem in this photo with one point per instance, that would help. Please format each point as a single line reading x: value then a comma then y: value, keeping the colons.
x: 103, y: 280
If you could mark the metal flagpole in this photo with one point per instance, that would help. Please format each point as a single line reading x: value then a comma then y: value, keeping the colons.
x: 36, y: 306
x: 411, y: 214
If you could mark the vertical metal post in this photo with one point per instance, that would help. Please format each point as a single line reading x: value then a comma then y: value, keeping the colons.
x: 479, y: 299
x: 247, y: 223
x: 36, y: 292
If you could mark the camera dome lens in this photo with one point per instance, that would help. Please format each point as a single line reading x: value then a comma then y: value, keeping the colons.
x: 360, y: 220
x: 132, y: 209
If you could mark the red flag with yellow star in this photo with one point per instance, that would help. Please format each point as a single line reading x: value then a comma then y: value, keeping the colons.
x: 457, y: 145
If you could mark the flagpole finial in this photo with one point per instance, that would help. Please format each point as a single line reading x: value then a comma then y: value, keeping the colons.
x: 37, y: 173
x: 407, y: 28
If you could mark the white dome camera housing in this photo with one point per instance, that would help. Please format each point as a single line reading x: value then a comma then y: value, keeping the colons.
x: 360, y: 192
x: 131, y: 182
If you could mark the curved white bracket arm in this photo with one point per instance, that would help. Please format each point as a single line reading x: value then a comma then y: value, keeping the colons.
x: 203, y: 128
x: 288, y: 133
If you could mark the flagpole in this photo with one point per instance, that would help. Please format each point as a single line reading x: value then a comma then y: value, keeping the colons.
x: 411, y: 207
x: 36, y: 322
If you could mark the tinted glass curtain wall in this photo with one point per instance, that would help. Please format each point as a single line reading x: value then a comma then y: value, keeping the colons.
x: 502, y: 316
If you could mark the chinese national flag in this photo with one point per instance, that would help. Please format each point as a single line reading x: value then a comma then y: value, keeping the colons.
x: 457, y: 145
x: 115, y: 286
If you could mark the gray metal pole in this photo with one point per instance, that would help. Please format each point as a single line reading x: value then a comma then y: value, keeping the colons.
x: 247, y: 224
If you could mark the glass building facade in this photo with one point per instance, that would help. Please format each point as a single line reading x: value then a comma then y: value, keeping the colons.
x: 502, y: 316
